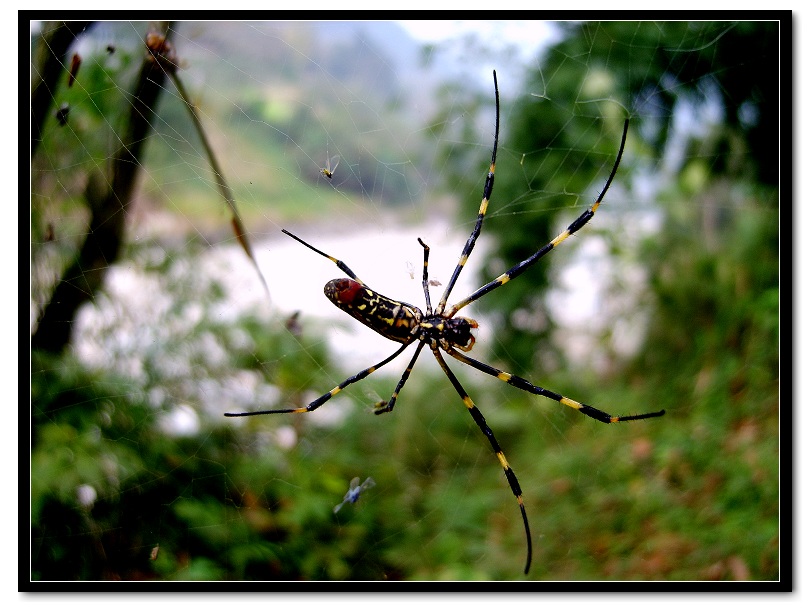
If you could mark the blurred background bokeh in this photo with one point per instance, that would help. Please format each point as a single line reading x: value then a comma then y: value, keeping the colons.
x: 149, y: 320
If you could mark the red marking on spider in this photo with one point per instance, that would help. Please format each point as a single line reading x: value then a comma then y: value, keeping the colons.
x: 347, y: 289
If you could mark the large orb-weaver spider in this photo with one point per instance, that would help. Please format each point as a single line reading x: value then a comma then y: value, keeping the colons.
x: 442, y: 329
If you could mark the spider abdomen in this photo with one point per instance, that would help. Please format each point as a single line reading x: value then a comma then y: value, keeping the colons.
x: 389, y: 318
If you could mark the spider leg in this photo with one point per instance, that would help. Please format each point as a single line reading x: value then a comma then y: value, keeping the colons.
x: 337, y: 262
x: 389, y: 406
x: 326, y: 396
x: 403, y: 379
x: 482, y: 209
x: 482, y: 425
x: 525, y: 385
x: 518, y: 269
x: 425, y: 284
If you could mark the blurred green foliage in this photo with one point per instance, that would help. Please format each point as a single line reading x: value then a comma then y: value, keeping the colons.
x: 691, y: 496
x: 562, y: 136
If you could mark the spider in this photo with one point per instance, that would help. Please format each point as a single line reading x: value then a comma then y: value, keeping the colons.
x: 441, y: 329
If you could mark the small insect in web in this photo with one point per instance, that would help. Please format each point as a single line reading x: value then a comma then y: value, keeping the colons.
x: 432, y: 282
x: 331, y: 166
x: 355, y: 489
x: 444, y: 332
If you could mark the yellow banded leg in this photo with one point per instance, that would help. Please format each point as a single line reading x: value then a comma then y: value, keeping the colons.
x: 326, y: 396
x: 482, y: 209
x: 518, y: 269
x: 482, y: 425
x: 389, y: 406
x: 525, y: 385
x: 337, y: 262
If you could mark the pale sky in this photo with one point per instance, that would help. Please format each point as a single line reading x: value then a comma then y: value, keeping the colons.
x: 527, y: 35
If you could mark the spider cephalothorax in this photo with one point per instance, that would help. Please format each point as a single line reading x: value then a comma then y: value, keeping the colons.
x: 448, y: 333
x: 442, y: 331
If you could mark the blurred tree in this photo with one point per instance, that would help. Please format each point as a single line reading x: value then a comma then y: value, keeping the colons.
x: 560, y: 139
x: 108, y: 199
x: 50, y: 61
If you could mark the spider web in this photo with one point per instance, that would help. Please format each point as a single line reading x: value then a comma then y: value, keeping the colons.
x: 182, y: 329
